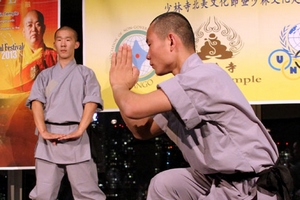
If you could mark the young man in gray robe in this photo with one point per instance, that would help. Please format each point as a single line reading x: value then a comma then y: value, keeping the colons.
x: 63, y: 100
x: 204, y: 113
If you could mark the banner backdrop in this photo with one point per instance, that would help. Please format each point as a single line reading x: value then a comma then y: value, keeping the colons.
x: 26, y: 49
x: 256, y: 42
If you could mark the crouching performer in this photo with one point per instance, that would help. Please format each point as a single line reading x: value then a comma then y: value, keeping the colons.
x: 230, y: 153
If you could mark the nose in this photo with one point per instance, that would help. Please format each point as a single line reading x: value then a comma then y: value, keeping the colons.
x: 148, y: 56
x: 36, y: 27
x: 63, y: 43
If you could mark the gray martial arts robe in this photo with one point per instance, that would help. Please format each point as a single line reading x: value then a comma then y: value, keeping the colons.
x: 64, y: 91
x: 219, y: 131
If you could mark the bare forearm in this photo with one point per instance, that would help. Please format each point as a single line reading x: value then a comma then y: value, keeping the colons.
x: 124, y: 99
x: 138, y: 122
x: 38, y: 115
x: 138, y: 106
x: 142, y: 129
x: 88, y: 112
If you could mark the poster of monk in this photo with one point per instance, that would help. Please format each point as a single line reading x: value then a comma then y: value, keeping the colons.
x: 26, y: 46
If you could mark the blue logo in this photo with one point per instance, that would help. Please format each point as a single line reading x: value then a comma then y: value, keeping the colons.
x: 137, y: 40
x: 285, y: 60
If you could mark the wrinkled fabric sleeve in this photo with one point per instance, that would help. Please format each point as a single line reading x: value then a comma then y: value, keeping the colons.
x: 37, y: 92
x: 93, y: 90
x: 181, y: 102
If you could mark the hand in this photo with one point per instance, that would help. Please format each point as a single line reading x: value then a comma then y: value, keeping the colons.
x: 122, y: 73
x: 52, y: 137
x: 71, y: 136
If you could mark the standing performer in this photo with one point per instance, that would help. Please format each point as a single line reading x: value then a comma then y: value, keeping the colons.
x: 63, y: 100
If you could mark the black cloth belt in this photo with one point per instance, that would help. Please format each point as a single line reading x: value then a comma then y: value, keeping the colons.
x: 62, y: 124
x: 236, y: 177
x: 276, y: 179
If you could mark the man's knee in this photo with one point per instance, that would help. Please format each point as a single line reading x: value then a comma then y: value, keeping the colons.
x: 163, y: 183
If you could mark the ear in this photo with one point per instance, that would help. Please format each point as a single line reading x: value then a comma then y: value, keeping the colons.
x: 77, y: 44
x: 172, y: 41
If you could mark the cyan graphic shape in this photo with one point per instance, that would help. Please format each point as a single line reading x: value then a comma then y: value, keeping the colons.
x: 138, y: 55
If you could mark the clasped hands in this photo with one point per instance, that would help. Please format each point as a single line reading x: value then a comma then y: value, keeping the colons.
x: 122, y: 73
x: 56, y: 138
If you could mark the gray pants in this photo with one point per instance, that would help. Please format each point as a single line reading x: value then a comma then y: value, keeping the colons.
x: 185, y: 183
x: 83, y: 178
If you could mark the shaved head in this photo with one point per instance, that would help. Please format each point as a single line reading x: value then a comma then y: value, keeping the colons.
x: 176, y: 23
x: 69, y: 29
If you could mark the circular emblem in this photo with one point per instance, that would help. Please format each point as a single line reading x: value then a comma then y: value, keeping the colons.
x: 294, y: 37
x: 137, y: 40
